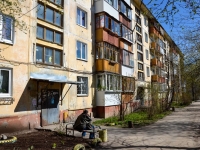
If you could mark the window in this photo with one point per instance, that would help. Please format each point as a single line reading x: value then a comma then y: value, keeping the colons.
x: 147, y: 54
x: 108, y: 82
x: 81, y: 50
x: 49, y: 14
x: 6, y: 29
x: 140, y: 56
x: 5, y: 82
x: 50, y: 35
x: 139, y: 37
x: 58, y: 2
x: 148, y: 72
x: 82, y: 89
x: 113, y: 3
x: 127, y: 58
x: 146, y: 37
x: 138, y: 29
x: 125, y: 10
x: 141, y: 76
x: 139, y: 47
x: 48, y: 55
x: 140, y: 66
x: 107, y: 51
x: 137, y: 11
x: 145, y: 21
x: 138, y: 20
x: 109, y: 23
x: 127, y: 33
x: 81, y: 17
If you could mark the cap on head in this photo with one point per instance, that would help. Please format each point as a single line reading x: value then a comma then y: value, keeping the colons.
x: 85, y: 111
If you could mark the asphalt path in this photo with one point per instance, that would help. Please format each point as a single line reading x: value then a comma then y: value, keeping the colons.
x: 179, y: 130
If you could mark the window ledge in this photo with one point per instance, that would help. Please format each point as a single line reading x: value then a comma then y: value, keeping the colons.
x: 7, y: 42
x: 6, y: 100
x: 82, y: 26
x: 82, y: 95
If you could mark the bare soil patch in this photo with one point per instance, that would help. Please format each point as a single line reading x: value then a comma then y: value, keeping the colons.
x: 45, y: 140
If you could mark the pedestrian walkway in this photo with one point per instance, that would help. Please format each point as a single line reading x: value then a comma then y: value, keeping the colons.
x: 179, y: 130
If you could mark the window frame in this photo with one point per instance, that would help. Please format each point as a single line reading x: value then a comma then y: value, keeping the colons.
x: 54, y: 14
x: 103, y: 49
x: 140, y: 76
x: 138, y: 57
x: 139, y: 45
x: 53, y: 55
x: 130, y: 61
x: 86, y: 50
x: 140, y: 66
x: 80, y: 23
x: 105, y: 21
x: 126, y: 33
x: 82, y: 86
x: 4, y: 40
x: 54, y: 35
x: 54, y: 2
x: 10, y: 82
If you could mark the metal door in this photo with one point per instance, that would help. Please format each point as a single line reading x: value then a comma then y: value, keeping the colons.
x: 50, y: 106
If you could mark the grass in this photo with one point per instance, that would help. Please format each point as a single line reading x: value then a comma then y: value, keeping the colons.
x: 179, y: 105
x: 138, y: 118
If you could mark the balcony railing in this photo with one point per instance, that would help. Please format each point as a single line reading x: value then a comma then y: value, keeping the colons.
x: 153, y: 32
x: 157, y: 78
x: 156, y: 62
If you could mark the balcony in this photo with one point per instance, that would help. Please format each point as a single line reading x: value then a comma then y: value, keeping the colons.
x: 156, y: 62
x: 106, y: 65
x: 104, y: 35
x: 155, y: 78
x: 103, y: 6
x: 125, y: 21
x: 153, y: 32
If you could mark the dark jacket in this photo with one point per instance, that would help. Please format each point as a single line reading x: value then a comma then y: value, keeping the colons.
x: 83, y: 122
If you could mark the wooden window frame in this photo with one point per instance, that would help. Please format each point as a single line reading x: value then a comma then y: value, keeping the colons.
x: 53, y: 59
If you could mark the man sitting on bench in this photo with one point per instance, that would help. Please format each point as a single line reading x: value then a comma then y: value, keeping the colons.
x: 83, y: 122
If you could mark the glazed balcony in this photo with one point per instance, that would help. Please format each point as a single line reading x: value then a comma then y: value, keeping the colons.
x: 158, y: 79
x: 153, y: 32
x: 156, y: 62
x: 106, y: 36
x: 107, y: 65
x: 155, y: 46
x: 125, y: 21
x: 104, y: 6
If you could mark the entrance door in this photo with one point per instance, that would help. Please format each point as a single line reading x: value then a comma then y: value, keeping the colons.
x: 50, y: 106
x: 140, y: 95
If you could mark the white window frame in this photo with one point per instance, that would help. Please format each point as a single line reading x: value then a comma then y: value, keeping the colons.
x: 81, y: 58
x: 2, y: 16
x: 85, y: 80
x: 80, y: 23
x: 9, y: 94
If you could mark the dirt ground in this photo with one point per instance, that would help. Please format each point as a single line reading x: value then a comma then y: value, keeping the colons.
x: 44, y: 140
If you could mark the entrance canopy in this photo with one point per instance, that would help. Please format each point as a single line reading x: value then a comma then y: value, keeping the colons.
x: 52, y: 78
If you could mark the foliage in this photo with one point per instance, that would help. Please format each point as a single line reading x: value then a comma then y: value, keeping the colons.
x: 140, y: 117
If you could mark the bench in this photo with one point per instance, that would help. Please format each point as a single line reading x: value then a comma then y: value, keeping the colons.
x: 95, y: 130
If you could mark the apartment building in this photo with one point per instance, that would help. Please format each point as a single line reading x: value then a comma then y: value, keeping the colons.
x: 46, y: 72
x: 115, y: 83
x: 67, y: 56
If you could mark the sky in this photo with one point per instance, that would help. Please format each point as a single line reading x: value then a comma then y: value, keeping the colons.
x: 182, y: 19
